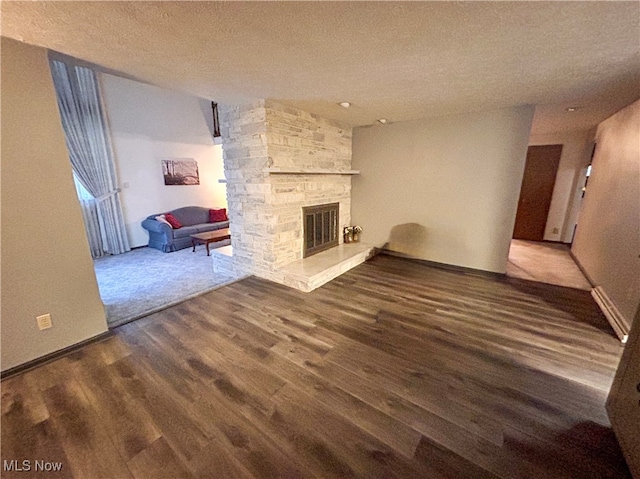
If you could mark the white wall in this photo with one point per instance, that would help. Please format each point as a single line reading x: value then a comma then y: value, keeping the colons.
x: 457, y: 179
x: 607, y: 242
x: 565, y: 202
x: 149, y: 124
x: 46, y: 264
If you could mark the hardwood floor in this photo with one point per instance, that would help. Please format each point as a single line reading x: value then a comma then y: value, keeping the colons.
x: 545, y: 262
x: 393, y: 370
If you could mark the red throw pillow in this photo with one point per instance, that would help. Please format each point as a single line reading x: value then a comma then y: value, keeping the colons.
x: 173, y: 221
x: 217, y: 215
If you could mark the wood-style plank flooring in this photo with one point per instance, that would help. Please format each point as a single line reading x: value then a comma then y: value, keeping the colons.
x: 394, y: 370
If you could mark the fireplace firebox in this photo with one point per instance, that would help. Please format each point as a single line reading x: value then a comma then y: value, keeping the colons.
x: 320, y: 224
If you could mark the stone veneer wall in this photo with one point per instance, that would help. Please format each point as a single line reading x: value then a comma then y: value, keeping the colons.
x: 265, y: 210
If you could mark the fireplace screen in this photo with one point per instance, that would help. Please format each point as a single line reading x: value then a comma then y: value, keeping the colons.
x: 320, y: 228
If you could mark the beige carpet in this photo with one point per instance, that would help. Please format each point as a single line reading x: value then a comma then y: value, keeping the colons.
x: 546, y: 263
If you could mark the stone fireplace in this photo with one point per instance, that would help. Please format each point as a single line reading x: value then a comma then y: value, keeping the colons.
x: 279, y: 160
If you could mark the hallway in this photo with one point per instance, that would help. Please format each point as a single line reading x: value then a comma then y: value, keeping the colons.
x: 548, y: 263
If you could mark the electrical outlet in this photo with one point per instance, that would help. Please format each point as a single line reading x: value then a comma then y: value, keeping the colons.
x: 556, y: 231
x: 44, y: 321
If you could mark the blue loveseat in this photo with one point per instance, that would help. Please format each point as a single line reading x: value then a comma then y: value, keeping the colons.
x: 194, y: 219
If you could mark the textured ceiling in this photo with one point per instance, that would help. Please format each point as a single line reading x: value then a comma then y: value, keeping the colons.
x: 394, y: 60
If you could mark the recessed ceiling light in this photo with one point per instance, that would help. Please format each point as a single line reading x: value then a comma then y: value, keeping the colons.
x: 345, y: 104
x: 382, y: 120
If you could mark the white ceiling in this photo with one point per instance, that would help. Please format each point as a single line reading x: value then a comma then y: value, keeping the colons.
x: 394, y: 60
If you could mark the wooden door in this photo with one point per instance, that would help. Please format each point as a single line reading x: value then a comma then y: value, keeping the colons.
x: 623, y: 404
x: 536, y: 190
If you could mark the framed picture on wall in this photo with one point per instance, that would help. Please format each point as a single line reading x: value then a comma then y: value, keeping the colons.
x: 180, y: 171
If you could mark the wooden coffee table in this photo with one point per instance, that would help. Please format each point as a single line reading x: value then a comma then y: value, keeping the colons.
x: 209, y: 237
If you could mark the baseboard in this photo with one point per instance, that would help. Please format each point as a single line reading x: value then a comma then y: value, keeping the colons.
x: 584, y: 271
x: 435, y: 264
x: 542, y: 241
x: 606, y: 305
x: 611, y: 312
x: 47, y: 358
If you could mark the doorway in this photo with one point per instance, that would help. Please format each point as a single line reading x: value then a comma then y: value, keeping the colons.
x: 538, y: 181
x: 530, y: 257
